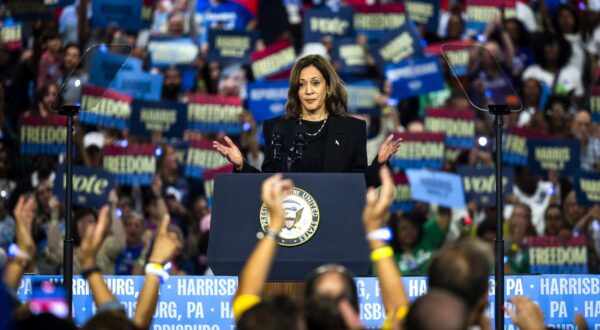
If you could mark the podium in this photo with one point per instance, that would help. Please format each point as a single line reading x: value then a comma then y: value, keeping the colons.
x: 338, y: 200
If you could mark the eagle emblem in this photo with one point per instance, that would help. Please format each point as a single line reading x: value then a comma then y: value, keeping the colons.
x: 292, y: 218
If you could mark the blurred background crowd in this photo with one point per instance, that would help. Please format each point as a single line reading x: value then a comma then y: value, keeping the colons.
x: 548, y: 50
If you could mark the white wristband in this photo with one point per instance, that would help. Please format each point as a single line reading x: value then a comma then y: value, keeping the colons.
x: 157, y: 270
x: 381, y: 234
x: 14, y: 251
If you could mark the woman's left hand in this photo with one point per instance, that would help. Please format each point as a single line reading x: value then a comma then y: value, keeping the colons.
x: 388, y: 148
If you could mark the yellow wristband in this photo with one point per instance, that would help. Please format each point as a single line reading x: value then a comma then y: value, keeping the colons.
x: 381, y: 253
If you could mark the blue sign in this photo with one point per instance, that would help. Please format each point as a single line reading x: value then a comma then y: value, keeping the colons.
x: 204, y: 302
x: 170, y: 118
x: 140, y: 85
x: 440, y: 188
x: 167, y: 51
x: 125, y: 14
x: 415, y: 77
x: 362, y: 95
x: 480, y: 184
x: 231, y: 46
x: 267, y: 99
x: 398, y: 46
x: 105, y: 66
x: 322, y: 22
x: 559, y: 155
x: 91, y: 186
x: 587, y: 188
x: 351, y: 56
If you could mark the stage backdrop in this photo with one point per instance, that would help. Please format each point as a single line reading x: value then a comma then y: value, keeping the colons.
x: 204, y: 302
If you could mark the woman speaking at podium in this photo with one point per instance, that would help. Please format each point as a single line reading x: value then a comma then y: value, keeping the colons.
x: 315, y: 134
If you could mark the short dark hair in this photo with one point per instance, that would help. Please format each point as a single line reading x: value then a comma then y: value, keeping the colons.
x: 279, y: 312
x: 350, y: 292
x: 545, y: 39
x: 415, y: 218
x: 462, y: 269
x: 323, y: 312
x: 437, y: 310
x: 109, y: 320
x: 487, y: 225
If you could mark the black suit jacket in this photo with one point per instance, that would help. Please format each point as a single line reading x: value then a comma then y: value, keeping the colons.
x: 345, y: 151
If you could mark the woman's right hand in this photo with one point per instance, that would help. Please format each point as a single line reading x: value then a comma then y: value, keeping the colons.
x: 231, y: 152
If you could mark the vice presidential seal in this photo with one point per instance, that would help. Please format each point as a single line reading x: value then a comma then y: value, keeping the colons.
x: 301, y: 218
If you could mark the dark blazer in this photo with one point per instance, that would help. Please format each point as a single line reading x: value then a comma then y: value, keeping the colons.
x: 345, y: 152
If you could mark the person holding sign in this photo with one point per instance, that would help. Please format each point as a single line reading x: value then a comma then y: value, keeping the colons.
x: 315, y: 134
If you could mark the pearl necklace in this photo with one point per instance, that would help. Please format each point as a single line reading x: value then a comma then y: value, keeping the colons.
x: 320, y: 129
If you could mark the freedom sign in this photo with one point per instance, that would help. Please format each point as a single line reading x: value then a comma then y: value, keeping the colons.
x: 458, y: 126
x: 322, y: 22
x: 434, y: 187
x: 415, y: 77
x: 457, y: 55
x: 214, y: 114
x: 379, y: 20
x: 201, y: 156
x: 41, y: 135
x: 402, y: 196
x: 274, y: 62
x: 132, y: 165
x: 481, y: 12
x: 480, y: 184
x: 10, y: 34
x: 554, y: 155
x: 515, y: 149
x: 231, y: 46
x: 419, y: 150
x: 105, y: 107
x: 595, y: 103
x: 424, y: 12
x: 169, y: 118
x: 91, y: 186
x: 551, y: 255
x: 266, y: 99
x: 587, y: 188
x: 397, y: 46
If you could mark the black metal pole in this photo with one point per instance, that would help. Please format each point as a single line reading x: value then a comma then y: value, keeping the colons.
x: 70, y: 112
x: 498, y: 112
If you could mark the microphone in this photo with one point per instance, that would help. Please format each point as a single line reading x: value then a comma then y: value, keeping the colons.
x: 277, y: 142
x: 299, y: 140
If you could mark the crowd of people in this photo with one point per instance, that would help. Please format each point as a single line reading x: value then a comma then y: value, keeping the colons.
x: 549, y: 53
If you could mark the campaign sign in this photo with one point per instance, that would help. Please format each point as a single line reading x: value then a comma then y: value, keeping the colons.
x: 379, y: 20
x: 515, y: 149
x: 147, y: 13
x: 480, y: 183
x: 132, y: 165
x: 91, y: 186
x: 214, y: 114
x: 482, y: 12
x: 106, y: 108
x: 43, y: 135
x: 351, y: 56
x: 266, y: 99
x: 274, y: 62
x: 204, y: 302
x: 170, y: 118
x: 399, y: 45
x: 551, y: 255
x: 25, y: 10
x: 230, y: 46
x: 595, y: 103
x: 419, y: 150
x: 402, y: 197
x: 58, y: 3
x: 456, y: 53
x: 322, y: 22
x: 10, y: 34
x: 415, y: 77
x: 201, y: 156
x: 209, y: 181
x: 558, y: 155
x: 140, y: 85
x: 424, y: 12
x: 361, y: 95
x: 457, y: 124
x: 167, y: 51
x: 125, y: 14
x: 441, y: 188
x: 105, y: 67
x: 587, y: 188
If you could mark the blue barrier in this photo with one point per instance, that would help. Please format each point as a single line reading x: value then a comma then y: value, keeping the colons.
x: 204, y: 302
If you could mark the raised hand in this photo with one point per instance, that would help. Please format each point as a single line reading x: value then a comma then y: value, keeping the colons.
x: 388, y: 148
x: 527, y: 315
x: 377, y: 207
x: 274, y: 189
x: 166, y: 244
x: 24, y: 215
x: 231, y: 152
x: 94, y: 236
